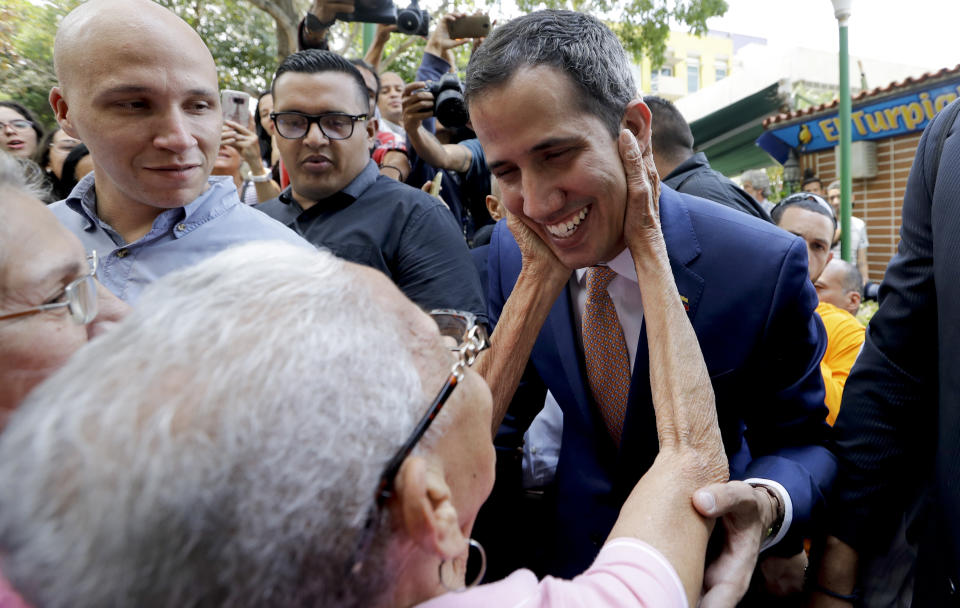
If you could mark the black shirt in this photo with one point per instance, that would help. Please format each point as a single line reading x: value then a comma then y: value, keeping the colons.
x: 402, y: 231
x: 695, y: 176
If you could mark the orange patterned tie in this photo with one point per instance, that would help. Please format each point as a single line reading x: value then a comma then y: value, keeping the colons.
x: 605, y: 351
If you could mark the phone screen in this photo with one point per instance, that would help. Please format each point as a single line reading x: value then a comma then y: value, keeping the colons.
x: 236, y: 106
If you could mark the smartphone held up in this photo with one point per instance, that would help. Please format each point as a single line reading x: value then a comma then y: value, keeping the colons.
x: 236, y: 106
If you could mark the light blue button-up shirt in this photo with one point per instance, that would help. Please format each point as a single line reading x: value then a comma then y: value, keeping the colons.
x: 179, y: 237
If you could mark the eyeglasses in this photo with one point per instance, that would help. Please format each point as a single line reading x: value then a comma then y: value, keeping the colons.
x: 79, y: 297
x: 471, y: 339
x: 333, y: 125
x: 66, y: 145
x: 807, y: 196
x: 19, y: 124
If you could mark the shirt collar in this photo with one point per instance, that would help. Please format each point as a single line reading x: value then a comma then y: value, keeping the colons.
x: 354, y: 189
x: 622, y: 264
x: 83, y: 200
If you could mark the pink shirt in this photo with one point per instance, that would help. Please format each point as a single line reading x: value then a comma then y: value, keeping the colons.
x: 626, y: 573
x: 8, y: 597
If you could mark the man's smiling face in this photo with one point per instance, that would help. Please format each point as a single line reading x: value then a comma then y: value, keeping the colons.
x: 558, y: 166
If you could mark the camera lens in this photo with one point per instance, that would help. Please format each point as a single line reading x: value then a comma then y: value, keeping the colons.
x: 408, y: 21
x: 450, y: 109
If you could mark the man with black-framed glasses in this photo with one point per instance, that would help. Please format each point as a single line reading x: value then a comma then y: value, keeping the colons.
x: 338, y: 200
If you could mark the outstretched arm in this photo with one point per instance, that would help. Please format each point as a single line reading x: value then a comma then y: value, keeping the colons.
x: 541, y: 280
x: 417, y: 107
x: 660, y: 511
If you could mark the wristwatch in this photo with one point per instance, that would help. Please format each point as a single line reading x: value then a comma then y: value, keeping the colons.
x: 261, y: 179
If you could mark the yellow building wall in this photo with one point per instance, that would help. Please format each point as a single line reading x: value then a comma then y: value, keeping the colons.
x: 712, y: 50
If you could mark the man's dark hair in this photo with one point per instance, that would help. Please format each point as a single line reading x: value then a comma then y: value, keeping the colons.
x: 22, y: 111
x: 852, y: 279
x: 315, y: 61
x: 670, y: 133
x: 578, y: 45
x: 809, y: 177
x: 803, y: 200
x: 266, y: 145
x: 360, y: 63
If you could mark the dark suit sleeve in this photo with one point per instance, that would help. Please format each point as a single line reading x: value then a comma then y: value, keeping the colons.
x: 786, y: 420
x: 887, y: 428
x: 434, y: 267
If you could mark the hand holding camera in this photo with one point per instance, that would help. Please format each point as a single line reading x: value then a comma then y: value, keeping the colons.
x: 327, y: 11
x: 412, y: 20
x: 440, y: 43
x: 440, y: 98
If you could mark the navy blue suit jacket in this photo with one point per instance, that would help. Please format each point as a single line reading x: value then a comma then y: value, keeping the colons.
x: 752, y: 306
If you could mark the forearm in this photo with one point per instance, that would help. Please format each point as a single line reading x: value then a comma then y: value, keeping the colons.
x: 375, y: 53
x: 659, y: 512
x: 395, y: 164
x: 837, y: 573
x: 679, y: 381
x: 660, y: 509
x: 266, y: 190
x: 435, y: 154
x: 511, y: 343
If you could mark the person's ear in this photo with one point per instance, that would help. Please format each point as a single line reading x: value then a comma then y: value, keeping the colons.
x: 854, y: 298
x: 637, y: 118
x: 494, y: 207
x: 61, y: 112
x: 372, y: 127
x: 426, y: 509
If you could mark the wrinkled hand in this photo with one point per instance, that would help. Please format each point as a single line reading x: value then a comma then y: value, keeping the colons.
x: 538, y: 260
x: 417, y: 105
x: 326, y: 11
x: 747, y: 513
x: 641, y: 224
x: 784, y: 575
x: 440, y: 41
x: 244, y: 140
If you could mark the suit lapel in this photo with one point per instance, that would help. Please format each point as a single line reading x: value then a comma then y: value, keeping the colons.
x: 563, y: 339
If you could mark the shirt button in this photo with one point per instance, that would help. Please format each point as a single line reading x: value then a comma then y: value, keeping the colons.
x: 122, y: 253
x: 181, y: 227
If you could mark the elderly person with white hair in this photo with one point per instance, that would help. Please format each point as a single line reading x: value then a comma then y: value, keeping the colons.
x: 50, y: 303
x: 276, y: 427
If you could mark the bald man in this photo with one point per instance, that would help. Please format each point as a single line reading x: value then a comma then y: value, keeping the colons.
x: 139, y: 87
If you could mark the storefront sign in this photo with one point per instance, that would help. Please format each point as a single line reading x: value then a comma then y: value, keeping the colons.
x: 880, y: 120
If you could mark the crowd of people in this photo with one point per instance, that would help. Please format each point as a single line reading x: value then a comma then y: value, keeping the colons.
x: 387, y: 340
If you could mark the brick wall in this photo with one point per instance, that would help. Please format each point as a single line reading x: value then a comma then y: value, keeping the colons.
x: 876, y: 201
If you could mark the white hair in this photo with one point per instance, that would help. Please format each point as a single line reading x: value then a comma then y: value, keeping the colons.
x: 221, y: 446
x: 24, y: 175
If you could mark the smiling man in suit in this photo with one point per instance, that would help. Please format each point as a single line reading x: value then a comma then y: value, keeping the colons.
x: 554, y: 104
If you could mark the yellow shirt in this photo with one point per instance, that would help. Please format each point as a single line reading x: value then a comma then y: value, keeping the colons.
x: 845, y: 337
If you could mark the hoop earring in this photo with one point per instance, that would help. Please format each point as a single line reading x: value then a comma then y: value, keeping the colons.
x: 483, y: 569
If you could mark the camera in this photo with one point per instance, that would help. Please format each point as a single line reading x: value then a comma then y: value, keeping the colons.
x: 413, y: 20
x: 448, y: 105
x: 371, y: 11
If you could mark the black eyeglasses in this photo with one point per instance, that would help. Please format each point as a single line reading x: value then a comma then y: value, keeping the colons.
x: 79, y: 297
x: 806, y: 196
x: 471, y: 339
x: 333, y: 125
